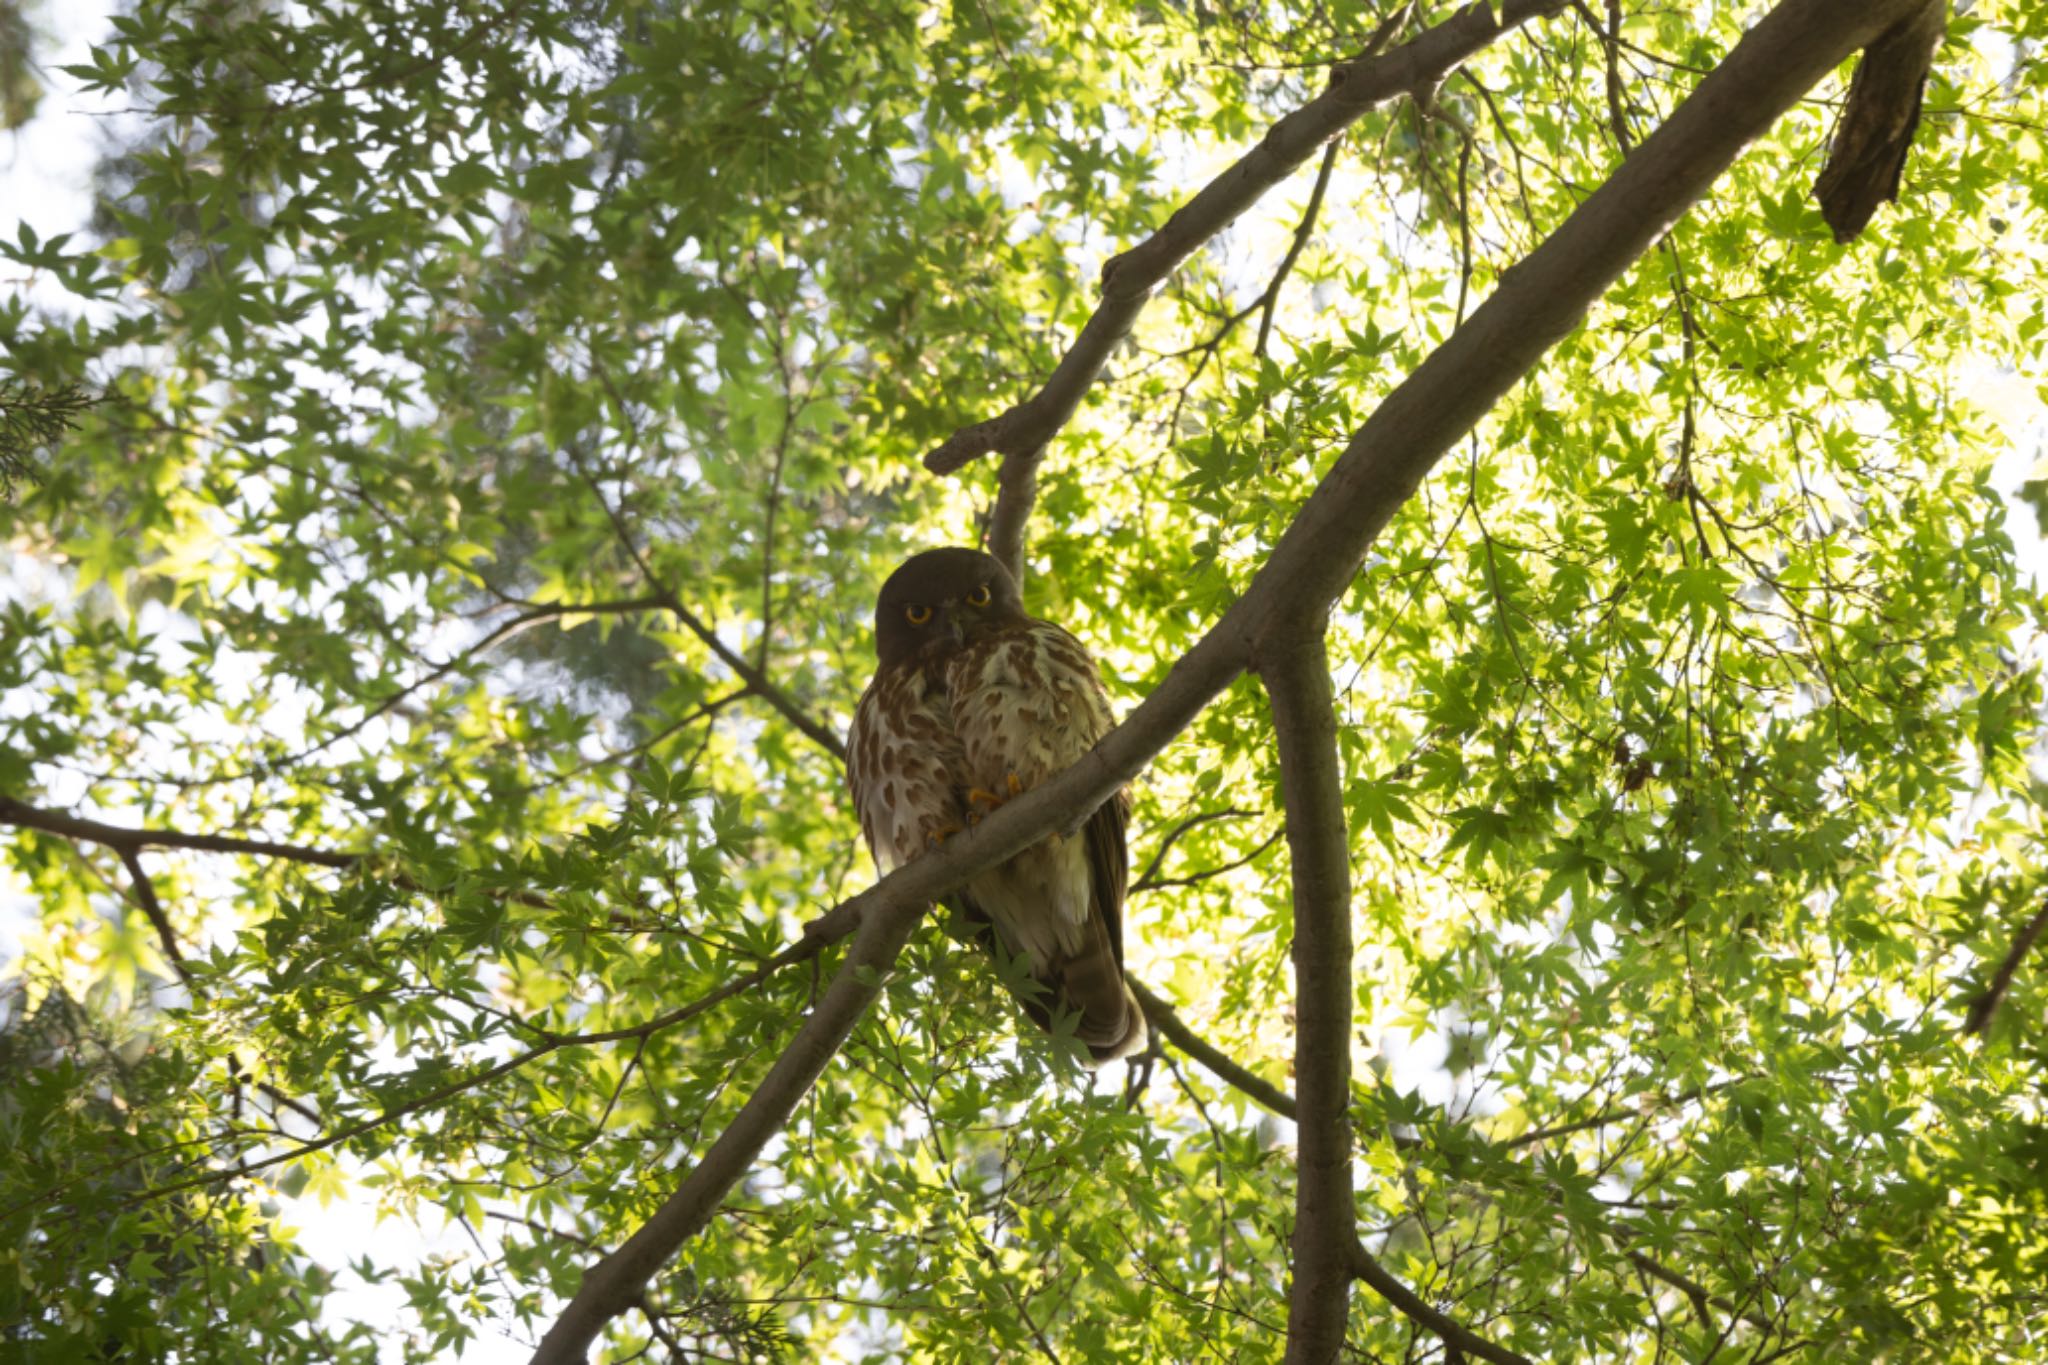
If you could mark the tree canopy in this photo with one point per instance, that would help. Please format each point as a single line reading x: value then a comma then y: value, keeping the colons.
x: 1582, y: 694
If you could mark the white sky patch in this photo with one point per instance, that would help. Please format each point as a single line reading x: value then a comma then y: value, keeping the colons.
x: 351, y: 1228
x: 45, y: 180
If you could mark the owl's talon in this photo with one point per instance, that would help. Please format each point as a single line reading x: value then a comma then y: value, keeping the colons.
x: 978, y: 797
x: 936, y: 838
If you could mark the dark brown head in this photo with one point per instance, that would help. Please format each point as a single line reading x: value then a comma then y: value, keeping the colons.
x: 941, y: 600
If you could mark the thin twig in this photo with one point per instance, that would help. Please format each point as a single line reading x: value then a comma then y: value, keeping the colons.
x: 116, y: 837
x: 1129, y: 280
x: 756, y: 680
x: 1271, y: 299
x: 1173, y: 837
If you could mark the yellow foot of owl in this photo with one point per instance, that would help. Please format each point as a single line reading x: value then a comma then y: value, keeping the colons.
x: 977, y: 798
x: 936, y: 838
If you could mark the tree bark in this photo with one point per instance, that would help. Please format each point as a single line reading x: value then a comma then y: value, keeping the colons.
x: 1879, y: 117
x: 1129, y: 280
x: 617, y: 1282
x: 1297, y: 679
x: 1537, y: 304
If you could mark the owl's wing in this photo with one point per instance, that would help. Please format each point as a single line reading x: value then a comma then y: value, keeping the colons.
x: 1026, y: 704
x: 1073, y: 676
x: 1109, y: 866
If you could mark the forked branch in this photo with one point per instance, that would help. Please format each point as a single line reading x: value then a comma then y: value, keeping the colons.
x: 1021, y: 432
x: 1538, y: 303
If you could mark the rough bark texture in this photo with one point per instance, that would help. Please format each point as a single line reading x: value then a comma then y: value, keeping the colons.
x: 1878, y: 121
x: 1537, y: 304
x: 1297, y: 679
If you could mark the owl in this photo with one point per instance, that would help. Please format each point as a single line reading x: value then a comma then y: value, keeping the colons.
x: 972, y: 703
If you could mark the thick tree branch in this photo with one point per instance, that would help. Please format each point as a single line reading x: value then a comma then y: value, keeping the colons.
x: 1297, y: 679
x: 1543, y: 298
x: 1985, y: 1007
x: 617, y: 1281
x: 1538, y: 302
x: 1016, y: 492
x: 1879, y: 118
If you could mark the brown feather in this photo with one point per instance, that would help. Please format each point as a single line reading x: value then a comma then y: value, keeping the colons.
x: 982, y: 698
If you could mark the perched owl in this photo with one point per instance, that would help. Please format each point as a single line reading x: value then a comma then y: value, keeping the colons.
x: 974, y: 702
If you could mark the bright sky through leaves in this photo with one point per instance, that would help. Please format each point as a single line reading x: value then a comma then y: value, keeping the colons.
x: 510, y: 412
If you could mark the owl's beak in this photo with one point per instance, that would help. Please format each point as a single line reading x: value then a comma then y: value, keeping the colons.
x: 954, y: 631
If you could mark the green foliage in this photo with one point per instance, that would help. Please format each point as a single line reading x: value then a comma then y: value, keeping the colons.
x: 32, y: 418
x: 1688, y: 711
x: 20, y: 92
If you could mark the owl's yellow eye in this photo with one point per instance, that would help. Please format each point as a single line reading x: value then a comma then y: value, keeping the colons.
x: 917, y: 615
x: 979, y: 597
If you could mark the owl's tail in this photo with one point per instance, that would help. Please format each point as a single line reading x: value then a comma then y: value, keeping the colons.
x: 1090, y: 982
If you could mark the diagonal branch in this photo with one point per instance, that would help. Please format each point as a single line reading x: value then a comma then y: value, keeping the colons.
x: 757, y: 681
x: 1456, y: 1336
x: 618, y: 1280
x: 1985, y: 1006
x: 518, y: 625
x: 1297, y: 679
x: 1537, y: 303
x: 123, y: 840
x: 1128, y: 280
x: 153, y: 910
x: 1161, y: 1016
x: 1022, y: 432
x: 1270, y: 300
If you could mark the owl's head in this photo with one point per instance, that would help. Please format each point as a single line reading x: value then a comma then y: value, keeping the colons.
x: 940, y: 600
